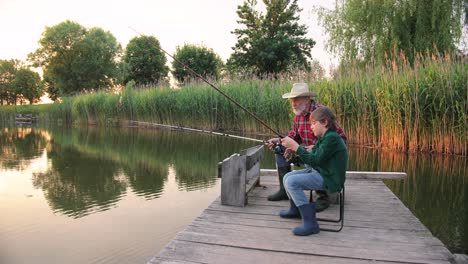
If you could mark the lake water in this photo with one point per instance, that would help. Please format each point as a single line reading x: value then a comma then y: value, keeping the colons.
x: 88, y: 195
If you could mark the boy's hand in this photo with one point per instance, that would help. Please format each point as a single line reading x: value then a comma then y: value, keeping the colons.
x: 309, y: 148
x: 287, y: 153
x: 289, y: 143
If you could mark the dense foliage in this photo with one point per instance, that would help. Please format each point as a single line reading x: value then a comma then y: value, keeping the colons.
x: 144, y: 62
x: 76, y: 59
x: 8, y: 70
x: 369, y: 30
x: 200, y: 59
x: 28, y: 84
x: 270, y: 43
x: 18, y: 83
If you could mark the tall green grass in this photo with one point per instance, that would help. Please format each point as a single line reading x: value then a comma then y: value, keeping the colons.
x: 200, y: 106
x: 421, y: 107
x: 415, y: 108
x: 7, y: 114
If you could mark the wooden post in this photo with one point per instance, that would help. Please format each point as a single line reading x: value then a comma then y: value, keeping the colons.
x: 239, y: 174
x: 233, y: 181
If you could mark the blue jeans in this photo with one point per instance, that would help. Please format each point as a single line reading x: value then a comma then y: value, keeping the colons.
x: 297, y: 181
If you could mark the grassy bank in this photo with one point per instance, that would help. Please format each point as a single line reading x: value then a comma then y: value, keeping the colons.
x: 419, y: 108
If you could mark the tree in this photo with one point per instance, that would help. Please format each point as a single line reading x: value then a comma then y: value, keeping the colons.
x: 74, y: 58
x: 28, y: 84
x: 371, y: 30
x: 202, y: 60
x: 270, y: 43
x: 96, y: 60
x: 52, y: 91
x: 144, y: 61
x: 8, y: 70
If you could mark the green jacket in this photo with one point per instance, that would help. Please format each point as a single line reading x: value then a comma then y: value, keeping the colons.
x: 329, y: 157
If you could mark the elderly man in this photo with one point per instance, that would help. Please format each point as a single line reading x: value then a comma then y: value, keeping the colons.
x: 302, y: 104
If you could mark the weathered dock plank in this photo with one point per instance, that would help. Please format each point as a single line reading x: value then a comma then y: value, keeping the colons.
x: 377, y: 228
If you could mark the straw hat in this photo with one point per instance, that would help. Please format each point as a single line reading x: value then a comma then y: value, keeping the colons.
x: 298, y: 90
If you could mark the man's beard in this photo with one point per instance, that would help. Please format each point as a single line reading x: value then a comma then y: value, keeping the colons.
x: 300, y: 109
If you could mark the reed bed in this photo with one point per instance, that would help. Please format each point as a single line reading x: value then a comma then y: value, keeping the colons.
x: 7, y: 114
x: 413, y: 108
x: 200, y: 106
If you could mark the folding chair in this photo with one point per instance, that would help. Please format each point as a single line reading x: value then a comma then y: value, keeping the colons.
x: 341, y: 217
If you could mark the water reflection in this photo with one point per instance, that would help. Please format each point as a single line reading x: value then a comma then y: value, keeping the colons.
x: 435, y: 190
x: 145, y: 180
x: 17, y: 146
x: 91, y: 169
x: 77, y: 184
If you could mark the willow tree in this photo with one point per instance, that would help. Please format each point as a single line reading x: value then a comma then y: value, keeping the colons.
x: 273, y: 42
x: 371, y: 30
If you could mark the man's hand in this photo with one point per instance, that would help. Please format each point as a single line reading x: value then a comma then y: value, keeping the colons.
x: 271, y: 143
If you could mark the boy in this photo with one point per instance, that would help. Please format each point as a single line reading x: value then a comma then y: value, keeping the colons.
x: 325, y: 169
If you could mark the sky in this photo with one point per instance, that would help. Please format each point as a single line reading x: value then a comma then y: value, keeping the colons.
x: 172, y: 22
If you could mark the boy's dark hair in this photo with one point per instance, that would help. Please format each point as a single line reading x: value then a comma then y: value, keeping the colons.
x: 324, y: 113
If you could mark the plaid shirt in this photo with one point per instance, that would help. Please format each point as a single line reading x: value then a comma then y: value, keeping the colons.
x: 301, y: 131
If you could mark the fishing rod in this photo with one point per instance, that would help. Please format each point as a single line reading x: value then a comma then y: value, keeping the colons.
x: 196, y: 130
x: 213, y: 86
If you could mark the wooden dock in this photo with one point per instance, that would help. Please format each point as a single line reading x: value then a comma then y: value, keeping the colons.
x: 25, y: 119
x: 378, y: 228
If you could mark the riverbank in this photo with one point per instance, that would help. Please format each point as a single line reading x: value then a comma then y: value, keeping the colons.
x: 420, y: 108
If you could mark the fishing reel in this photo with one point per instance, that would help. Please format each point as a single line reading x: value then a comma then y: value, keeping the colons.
x: 290, y: 157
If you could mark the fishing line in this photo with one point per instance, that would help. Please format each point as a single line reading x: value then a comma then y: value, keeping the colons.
x: 212, y: 85
x: 196, y: 130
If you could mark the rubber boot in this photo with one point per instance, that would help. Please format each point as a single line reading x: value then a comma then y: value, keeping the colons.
x: 281, y: 194
x: 323, y: 201
x: 292, y: 212
x: 309, y: 222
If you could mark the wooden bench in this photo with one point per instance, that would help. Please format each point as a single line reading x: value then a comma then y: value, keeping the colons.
x: 239, y: 173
